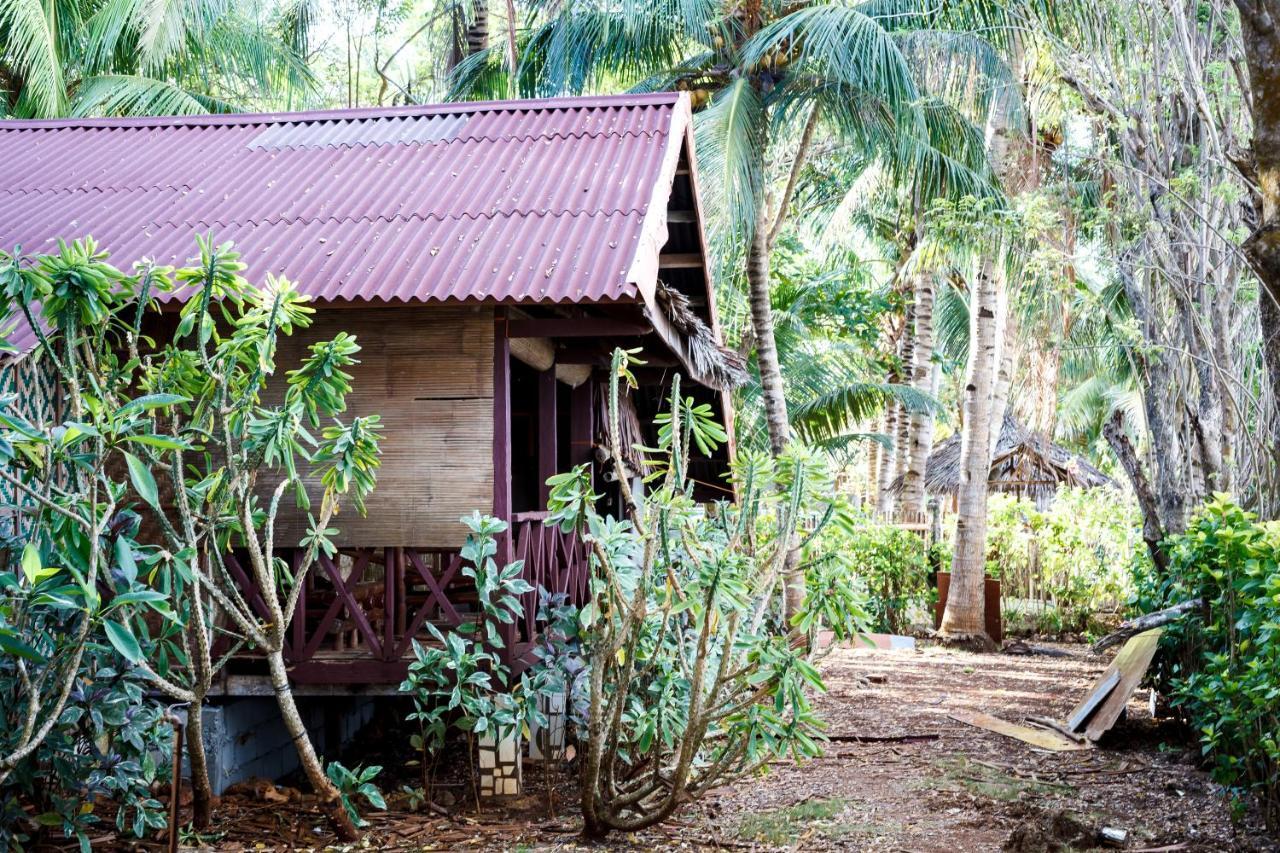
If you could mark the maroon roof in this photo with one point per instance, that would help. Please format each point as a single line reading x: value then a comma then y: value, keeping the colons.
x: 559, y: 200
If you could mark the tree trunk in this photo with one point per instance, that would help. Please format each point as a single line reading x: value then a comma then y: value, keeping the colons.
x: 201, y: 792
x: 326, y: 794
x: 963, y: 618
x: 984, y: 393
x: 920, y: 427
x: 771, y: 389
x: 884, y: 474
x: 1044, y: 413
x: 469, y: 38
x: 1260, y: 33
x: 906, y: 357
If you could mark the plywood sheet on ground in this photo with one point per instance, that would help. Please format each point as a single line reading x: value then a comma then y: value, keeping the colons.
x: 1043, y: 738
x: 1130, y: 664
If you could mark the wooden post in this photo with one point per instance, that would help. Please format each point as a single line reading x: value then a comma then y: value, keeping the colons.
x: 502, y: 455
x: 547, y: 433
x: 391, y: 566
x: 581, y: 436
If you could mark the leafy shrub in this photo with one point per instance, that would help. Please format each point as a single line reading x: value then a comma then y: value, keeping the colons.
x: 891, y: 564
x: 1077, y: 555
x: 694, y: 676
x: 1224, y: 668
x: 356, y: 784
x: 107, y: 749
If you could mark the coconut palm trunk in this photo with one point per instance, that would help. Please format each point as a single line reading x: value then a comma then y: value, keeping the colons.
x: 469, y: 37
x: 920, y: 427
x: 988, y: 375
x: 963, y: 618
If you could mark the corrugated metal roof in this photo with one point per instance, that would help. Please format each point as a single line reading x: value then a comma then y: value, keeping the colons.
x: 559, y: 200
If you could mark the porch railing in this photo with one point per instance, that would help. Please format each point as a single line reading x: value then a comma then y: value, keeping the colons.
x: 360, y: 611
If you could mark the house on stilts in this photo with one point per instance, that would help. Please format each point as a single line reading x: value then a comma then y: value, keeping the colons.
x: 487, y: 256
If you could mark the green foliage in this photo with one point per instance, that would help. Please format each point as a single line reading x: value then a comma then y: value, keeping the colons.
x: 137, y: 57
x: 1226, y: 673
x: 110, y: 744
x: 1077, y: 556
x: 891, y: 565
x: 353, y: 784
x: 172, y: 431
x: 461, y: 682
x: 690, y: 666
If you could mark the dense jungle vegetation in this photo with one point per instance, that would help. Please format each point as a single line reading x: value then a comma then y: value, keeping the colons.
x: 960, y: 226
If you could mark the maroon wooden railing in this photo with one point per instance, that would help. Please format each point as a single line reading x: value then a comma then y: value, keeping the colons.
x: 553, y: 560
x: 360, y: 611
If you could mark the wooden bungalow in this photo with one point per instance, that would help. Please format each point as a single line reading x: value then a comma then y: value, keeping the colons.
x: 488, y: 257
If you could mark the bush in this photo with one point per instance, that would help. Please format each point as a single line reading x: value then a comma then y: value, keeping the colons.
x: 1077, y: 556
x: 695, y: 678
x: 1224, y: 668
x: 892, y: 564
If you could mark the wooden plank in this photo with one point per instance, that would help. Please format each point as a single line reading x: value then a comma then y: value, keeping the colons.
x: 1043, y: 738
x: 548, y: 434
x: 1131, y: 664
x: 582, y: 327
x: 680, y: 260
x: 1101, y: 690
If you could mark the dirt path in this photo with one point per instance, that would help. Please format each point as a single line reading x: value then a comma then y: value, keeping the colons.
x: 961, y: 789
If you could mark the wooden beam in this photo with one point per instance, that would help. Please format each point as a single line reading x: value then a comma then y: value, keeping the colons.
x: 587, y: 327
x: 681, y: 260
x: 547, y: 433
x: 502, y: 448
x: 681, y: 216
x: 581, y: 437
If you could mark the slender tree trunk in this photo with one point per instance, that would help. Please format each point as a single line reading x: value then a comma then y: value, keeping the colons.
x: 963, y: 618
x: 201, y: 793
x: 920, y: 429
x: 1260, y: 33
x: 775, y: 401
x: 906, y: 357
x: 326, y: 794
x: 1044, y: 413
x: 874, y: 451
x: 469, y: 38
x: 888, y: 455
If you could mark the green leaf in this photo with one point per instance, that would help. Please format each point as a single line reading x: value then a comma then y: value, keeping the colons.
x: 143, y: 482
x: 150, y: 401
x: 164, y: 442
x: 124, y: 558
x: 31, y: 565
x: 123, y: 640
x: 10, y: 644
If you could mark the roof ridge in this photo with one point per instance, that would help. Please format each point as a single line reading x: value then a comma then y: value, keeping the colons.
x: 411, y: 217
x: 356, y: 113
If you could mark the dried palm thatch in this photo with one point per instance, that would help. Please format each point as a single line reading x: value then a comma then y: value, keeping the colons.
x: 1026, y: 464
x: 708, y: 362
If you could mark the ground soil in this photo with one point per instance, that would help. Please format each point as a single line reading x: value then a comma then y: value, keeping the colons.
x: 899, y: 775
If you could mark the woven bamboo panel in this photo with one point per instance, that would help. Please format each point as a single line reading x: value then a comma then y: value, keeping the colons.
x: 428, y: 371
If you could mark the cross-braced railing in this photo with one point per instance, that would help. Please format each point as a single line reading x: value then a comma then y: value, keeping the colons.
x: 360, y: 611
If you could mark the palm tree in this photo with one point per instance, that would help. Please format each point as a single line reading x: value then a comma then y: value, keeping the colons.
x: 143, y: 57
x: 763, y: 70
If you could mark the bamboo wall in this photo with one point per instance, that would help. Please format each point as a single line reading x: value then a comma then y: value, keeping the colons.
x: 428, y: 371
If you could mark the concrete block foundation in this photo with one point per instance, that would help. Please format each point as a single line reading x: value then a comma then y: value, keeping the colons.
x: 245, y: 738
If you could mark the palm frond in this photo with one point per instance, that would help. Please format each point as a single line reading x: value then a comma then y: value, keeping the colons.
x: 843, y: 406
x: 29, y: 40
x: 730, y: 139
x: 130, y: 95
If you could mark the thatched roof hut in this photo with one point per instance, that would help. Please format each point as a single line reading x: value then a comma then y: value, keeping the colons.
x: 1025, y: 464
